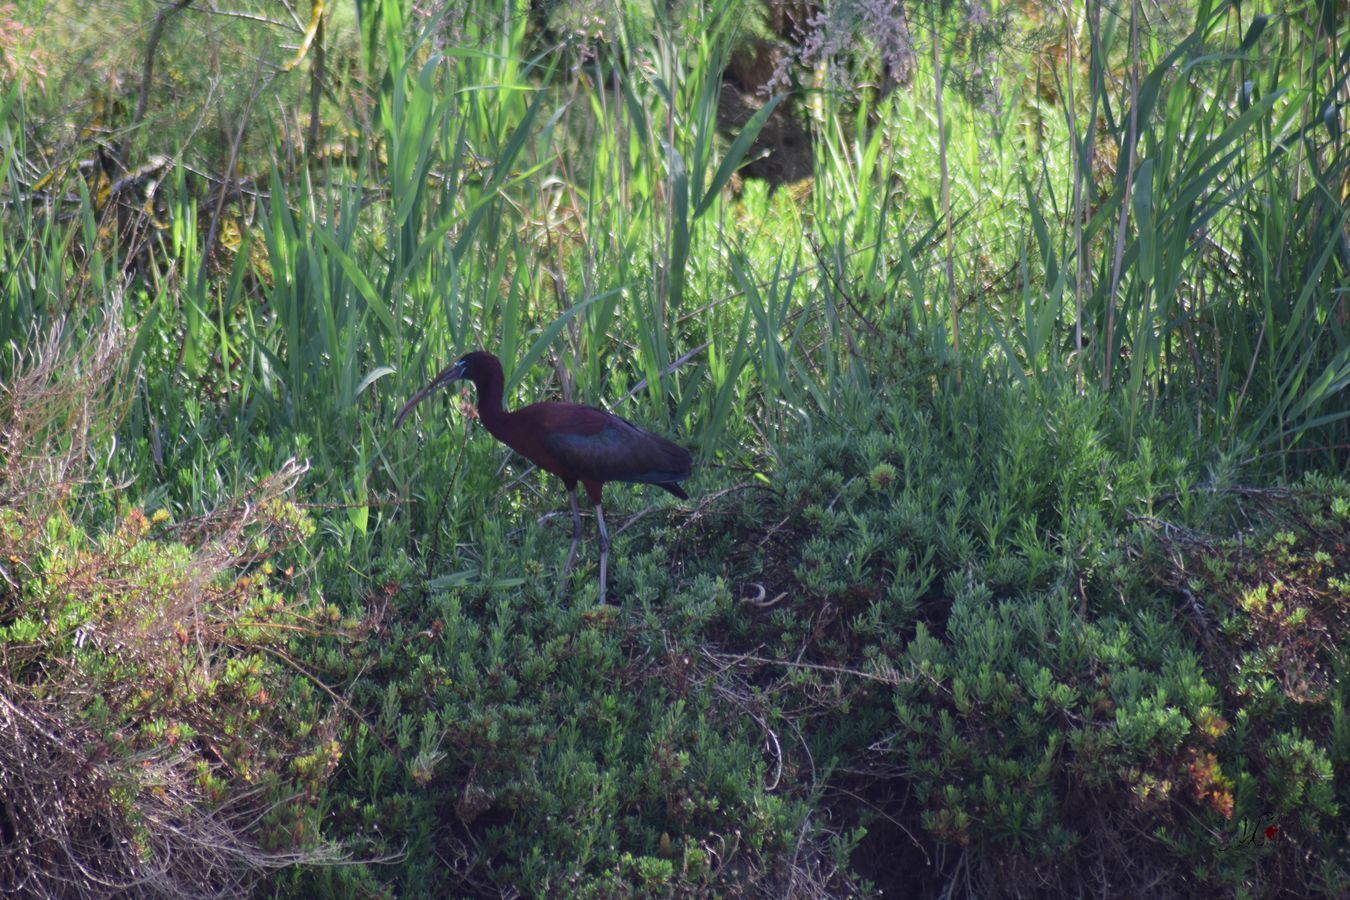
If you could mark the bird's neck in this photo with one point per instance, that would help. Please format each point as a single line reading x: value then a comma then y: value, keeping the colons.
x: 490, y: 409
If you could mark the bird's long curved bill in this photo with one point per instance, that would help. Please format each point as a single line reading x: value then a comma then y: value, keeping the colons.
x: 450, y: 374
x: 416, y: 399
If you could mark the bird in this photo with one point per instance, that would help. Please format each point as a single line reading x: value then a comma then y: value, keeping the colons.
x: 577, y: 443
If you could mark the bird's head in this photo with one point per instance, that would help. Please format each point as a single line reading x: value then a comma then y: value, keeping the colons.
x: 478, y: 367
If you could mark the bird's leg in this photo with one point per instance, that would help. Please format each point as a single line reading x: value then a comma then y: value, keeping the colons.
x: 604, y: 549
x: 576, y: 531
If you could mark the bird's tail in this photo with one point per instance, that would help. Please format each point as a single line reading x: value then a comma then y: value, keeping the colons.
x: 674, y: 488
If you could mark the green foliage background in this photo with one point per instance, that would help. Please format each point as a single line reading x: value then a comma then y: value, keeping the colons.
x: 1017, y: 562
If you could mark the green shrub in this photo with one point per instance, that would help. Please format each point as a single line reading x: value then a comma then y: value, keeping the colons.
x: 1002, y: 656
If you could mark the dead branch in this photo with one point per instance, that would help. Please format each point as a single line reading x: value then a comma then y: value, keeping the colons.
x: 148, y: 67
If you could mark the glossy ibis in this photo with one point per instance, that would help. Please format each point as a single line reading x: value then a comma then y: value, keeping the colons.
x: 574, y: 442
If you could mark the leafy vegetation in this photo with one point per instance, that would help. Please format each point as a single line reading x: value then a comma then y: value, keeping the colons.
x: 1012, y: 343
x: 156, y: 740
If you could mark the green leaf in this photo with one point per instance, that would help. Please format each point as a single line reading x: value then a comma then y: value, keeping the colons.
x: 547, y: 336
x: 735, y: 153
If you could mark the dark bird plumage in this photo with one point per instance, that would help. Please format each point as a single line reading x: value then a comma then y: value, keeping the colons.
x: 577, y: 443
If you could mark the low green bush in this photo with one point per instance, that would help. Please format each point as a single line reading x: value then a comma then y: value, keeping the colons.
x: 1004, y: 662
x: 973, y: 638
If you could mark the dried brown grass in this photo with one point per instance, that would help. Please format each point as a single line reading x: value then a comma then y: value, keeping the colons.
x: 103, y: 805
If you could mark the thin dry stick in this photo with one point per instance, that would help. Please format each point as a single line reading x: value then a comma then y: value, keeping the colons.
x: 1095, y: 70
x: 316, y: 74
x: 759, y: 599
x: 674, y: 366
x: 226, y: 188
x: 1071, y: 42
x: 290, y: 661
x: 668, y: 274
x: 889, y: 678
x: 148, y: 67
x: 554, y: 270
x: 1130, y: 144
x: 1251, y: 370
x: 946, y: 191
x: 312, y: 32
x: 704, y: 502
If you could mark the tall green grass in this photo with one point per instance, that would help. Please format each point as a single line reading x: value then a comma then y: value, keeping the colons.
x: 1212, y: 274
x: 1174, y: 236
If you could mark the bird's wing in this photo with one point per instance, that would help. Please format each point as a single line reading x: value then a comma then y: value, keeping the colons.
x: 601, y: 446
